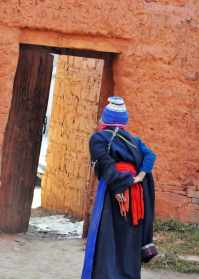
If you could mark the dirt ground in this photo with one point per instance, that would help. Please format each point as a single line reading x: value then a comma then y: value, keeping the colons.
x: 40, y: 256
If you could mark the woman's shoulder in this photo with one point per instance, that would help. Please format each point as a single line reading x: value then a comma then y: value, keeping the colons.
x: 106, y: 134
x: 130, y: 136
x: 100, y: 135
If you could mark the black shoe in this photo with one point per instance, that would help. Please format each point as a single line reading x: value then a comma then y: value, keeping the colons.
x: 148, y: 252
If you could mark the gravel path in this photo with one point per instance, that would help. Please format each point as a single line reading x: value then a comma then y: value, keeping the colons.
x: 33, y: 256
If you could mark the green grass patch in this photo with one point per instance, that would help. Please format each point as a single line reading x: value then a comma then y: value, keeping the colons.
x: 171, y: 262
x: 175, y: 239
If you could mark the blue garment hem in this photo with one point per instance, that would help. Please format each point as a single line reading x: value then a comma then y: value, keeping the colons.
x: 93, y: 231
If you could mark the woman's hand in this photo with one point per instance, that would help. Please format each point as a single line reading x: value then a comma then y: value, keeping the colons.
x: 121, y: 200
x: 139, y: 178
x: 120, y: 197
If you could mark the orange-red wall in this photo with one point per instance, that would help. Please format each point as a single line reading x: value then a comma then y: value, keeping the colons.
x: 157, y: 72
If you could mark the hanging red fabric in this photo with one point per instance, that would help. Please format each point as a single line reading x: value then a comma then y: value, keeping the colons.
x: 134, y: 198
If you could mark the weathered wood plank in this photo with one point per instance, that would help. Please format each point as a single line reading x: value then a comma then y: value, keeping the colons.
x: 23, y: 138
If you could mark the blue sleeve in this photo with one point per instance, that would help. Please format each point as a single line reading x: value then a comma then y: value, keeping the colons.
x: 148, y: 154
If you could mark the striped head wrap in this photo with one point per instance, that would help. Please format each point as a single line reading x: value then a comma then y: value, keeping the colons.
x: 115, y: 112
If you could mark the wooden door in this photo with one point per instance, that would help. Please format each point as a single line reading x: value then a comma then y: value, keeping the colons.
x: 74, y: 118
x: 23, y: 138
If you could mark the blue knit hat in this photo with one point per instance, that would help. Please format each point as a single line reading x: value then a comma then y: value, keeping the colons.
x: 115, y: 112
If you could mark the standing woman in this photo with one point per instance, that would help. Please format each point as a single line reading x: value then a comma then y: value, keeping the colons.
x: 120, y: 235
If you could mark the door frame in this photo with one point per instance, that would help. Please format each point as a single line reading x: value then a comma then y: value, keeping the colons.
x: 106, y: 90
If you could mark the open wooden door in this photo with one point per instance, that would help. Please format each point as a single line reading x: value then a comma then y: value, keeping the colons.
x: 73, y: 120
x: 23, y: 138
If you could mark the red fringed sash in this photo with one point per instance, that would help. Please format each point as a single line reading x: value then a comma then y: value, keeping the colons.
x: 133, y: 195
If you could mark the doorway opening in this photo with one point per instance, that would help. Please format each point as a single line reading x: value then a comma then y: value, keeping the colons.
x: 58, y: 95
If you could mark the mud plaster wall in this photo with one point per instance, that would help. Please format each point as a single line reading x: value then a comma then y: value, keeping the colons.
x: 157, y: 72
x: 74, y: 118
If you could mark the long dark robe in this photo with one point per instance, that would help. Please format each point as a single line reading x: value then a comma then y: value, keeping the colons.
x: 118, y: 246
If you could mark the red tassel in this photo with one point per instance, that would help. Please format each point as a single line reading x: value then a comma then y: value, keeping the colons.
x: 136, y: 196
